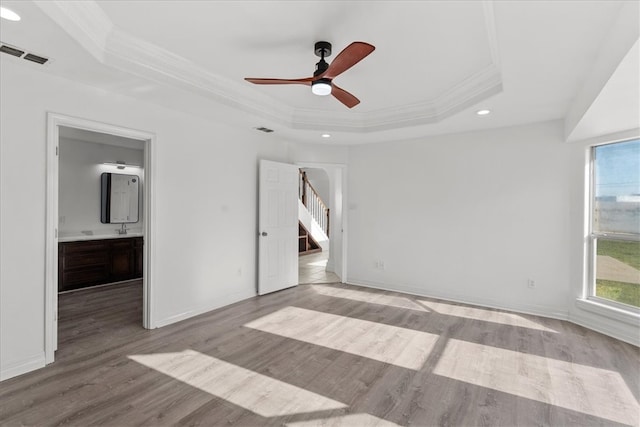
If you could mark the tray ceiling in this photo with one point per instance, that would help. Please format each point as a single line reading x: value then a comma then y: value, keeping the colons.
x: 435, y: 63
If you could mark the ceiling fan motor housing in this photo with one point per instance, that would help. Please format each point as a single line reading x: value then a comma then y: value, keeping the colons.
x: 322, y: 49
x: 321, y: 67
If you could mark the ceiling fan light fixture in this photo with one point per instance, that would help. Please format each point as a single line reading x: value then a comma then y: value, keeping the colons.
x: 321, y: 87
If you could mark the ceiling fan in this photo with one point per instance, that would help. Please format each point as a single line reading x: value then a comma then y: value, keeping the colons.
x: 322, y: 81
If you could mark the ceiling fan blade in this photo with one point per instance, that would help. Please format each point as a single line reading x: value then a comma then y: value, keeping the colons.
x: 343, y: 96
x: 306, y: 81
x: 349, y: 57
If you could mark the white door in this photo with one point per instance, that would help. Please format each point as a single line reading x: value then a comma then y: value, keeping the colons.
x: 277, y: 227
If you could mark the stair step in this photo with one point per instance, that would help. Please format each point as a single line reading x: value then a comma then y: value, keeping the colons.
x: 310, y: 251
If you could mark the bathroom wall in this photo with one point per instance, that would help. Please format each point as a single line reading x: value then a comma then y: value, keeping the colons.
x: 81, y: 164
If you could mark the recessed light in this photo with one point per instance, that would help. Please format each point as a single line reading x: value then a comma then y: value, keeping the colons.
x: 483, y: 112
x: 325, y: 135
x: 8, y: 14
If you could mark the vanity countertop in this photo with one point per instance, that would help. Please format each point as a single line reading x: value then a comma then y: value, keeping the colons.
x: 84, y: 237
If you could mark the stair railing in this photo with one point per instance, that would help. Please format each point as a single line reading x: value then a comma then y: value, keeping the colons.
x: 314, y: 204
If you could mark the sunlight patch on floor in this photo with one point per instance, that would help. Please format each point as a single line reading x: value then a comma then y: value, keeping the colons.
x: 321, y: 263
x: 369, y: 297
x: 487, y: 315
x: 402, y: 347
x: 594, y: 391
x: 351, y: 420
x: 258, y: 393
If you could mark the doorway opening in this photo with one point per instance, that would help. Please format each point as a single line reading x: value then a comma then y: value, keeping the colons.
x: 99, y: 221
x: 321, y: 224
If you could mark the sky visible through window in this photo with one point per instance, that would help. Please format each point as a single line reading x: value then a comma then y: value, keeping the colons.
x: 617, y: 169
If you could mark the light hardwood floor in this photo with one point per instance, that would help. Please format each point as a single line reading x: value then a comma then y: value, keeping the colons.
x: 312, y: 269
x: 324, y: 355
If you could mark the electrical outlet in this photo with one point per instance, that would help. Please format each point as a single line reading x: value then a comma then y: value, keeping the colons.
x: 531, y: 284
x: 381, y: 265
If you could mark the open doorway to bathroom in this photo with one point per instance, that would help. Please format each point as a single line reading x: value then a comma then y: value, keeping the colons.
x: 100, y: 234
x: 320, y: 224
x: 98, y: 222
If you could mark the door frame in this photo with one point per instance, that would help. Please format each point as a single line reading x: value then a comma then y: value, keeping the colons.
x: 329, y: 168
x: 54, y: 121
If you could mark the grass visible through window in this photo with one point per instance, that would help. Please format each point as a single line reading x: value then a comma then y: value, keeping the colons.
x: 618, y: 271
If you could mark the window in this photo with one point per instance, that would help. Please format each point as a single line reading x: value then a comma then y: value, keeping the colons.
x: 615, y: 224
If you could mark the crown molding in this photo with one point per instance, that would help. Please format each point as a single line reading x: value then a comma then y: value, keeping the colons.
x: 475, y: 88
x: 87, y: 23
x: 150, y: 61
x: 84, y: 21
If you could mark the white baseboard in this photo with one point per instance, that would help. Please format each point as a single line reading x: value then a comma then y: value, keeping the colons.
x: 331, y: 266
x: 615, y: 329
x: 23, y: 366
x: 606, y: 329
x: 536, y: 310
x: 615, y: 326
x: 227, y: 300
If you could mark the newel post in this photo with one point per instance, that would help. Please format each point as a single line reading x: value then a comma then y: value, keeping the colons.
x: 304, y: 188
x: 328, y: 210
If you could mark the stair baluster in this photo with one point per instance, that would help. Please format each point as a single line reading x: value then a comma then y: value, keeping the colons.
x: 314, y: 204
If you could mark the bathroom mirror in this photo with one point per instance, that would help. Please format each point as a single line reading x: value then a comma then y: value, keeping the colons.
x: 119, y: 198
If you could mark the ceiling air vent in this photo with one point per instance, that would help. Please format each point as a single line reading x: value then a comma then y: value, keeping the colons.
x: 14, y: 51
x: 11, y: 50
x: 264, y: 129
x: 35, y: 58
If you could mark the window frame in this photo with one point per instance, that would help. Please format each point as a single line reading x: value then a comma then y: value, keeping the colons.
x: 593, y: 236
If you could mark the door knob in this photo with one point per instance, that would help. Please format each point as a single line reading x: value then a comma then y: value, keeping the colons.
x: 264, y: 233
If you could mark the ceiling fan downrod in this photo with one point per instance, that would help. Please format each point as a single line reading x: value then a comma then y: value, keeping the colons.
x: 322, y: 49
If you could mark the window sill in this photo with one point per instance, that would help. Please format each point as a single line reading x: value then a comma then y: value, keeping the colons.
x: 611, y: 312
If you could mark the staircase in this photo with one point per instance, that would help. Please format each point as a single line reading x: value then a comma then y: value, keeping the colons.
x: 306, y: 243
x: 313, y: 218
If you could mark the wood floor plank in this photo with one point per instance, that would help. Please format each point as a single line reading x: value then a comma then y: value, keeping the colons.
x: 350, y: 358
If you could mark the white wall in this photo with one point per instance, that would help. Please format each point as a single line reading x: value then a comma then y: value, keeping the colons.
x: 205, y: 199
x: 468, y: 217
x: 471, y: 217
x: 80, y: 167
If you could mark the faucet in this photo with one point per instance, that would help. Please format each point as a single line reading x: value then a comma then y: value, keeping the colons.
x: 122, y: 229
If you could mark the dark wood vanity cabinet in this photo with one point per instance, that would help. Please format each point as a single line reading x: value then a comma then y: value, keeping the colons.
x: 137, y: 256
x: 96, y: 262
